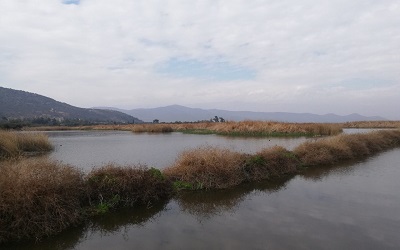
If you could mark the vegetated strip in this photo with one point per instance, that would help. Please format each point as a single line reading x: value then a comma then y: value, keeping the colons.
x: 243, y: 128
x: 40, y: 198
x: 13, y: 144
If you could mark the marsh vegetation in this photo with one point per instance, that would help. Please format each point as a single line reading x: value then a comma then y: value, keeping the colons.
x: 40, y: 197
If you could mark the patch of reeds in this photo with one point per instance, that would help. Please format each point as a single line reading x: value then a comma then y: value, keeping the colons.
x: 14, y: 144
x: 38, y: 198
x: 207, y: 167
x: 215, y: 168
x: 151, y: 128
x: 346, y: 147
x: 261, y: 128
x: 242, y: 128
x: 372, y: 124
x: 114, y: 186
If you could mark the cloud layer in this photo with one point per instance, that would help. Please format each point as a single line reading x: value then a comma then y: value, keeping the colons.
x: 298, y: 56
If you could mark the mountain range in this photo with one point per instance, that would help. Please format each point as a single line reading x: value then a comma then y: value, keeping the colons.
x: 18, y: 104
x: 175, y: 113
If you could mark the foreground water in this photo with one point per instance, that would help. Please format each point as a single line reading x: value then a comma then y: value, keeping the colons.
x: 355, y: 206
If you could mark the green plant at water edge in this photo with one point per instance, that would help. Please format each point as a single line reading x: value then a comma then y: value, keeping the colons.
x: 179, y: 185
x: 105, y: 206
x: 156, y: 173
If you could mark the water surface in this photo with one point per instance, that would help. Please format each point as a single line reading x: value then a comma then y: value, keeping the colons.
x: 352, y: 206
x: 86, y: 149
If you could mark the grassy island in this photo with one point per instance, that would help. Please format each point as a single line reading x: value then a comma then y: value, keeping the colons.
x: 39, y: 197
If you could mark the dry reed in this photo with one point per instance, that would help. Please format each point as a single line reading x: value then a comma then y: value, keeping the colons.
x: 38, y: 198
x: 207, y: 167
x: 372, y: 124
x: 113, y: 186
x: 346, y: 147
x: 14, y: 144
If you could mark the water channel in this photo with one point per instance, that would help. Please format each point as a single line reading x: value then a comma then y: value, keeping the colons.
x: 351, y: 206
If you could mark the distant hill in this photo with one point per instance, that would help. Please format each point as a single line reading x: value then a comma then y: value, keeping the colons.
x: 180, y: 113
x: 17, y: 104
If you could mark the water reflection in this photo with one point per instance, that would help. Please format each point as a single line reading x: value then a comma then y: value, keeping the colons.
x: 204, y: 205
x: 352, y: 206
x: 115, y: 222
x: 87, y: 149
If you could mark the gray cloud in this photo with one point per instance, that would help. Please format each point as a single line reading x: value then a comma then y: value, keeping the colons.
x: 307, y: 56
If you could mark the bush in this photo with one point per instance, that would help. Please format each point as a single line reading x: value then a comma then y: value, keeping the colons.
x: 114, y: 186
x: 207, y: 167
x: 13, y: 144
x: 38, y: 198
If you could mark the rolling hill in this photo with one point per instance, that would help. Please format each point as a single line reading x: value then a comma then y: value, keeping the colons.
x: 18, y: 104
x: 180, y: 113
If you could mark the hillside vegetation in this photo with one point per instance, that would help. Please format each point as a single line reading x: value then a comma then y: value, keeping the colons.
x: 17, y: 105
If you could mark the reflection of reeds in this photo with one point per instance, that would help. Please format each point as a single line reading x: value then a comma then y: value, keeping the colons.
x: 14, y: 144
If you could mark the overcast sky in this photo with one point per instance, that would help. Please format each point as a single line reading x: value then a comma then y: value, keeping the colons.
x: 317, y: 56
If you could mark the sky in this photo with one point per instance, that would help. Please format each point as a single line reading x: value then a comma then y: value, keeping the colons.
x: 302, y: 56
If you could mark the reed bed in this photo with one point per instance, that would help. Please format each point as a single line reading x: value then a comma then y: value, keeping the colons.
x: 215, y: 168
x: 243, y: 128
x: 38, y: 198
x: 346, y: 147
x: 114, y: 186
x: 14, y: 144
x: 261, y: 128
x: 372, y: 124
x: 207, y: 167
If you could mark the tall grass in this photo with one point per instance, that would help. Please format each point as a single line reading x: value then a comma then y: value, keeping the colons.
x: 372, y: 124
x: 243, y: 128
x: 261, y: 128
x: 38, y: 198
x: 114, y: 186
x: 346, y: 147
x: 14, y: 144
x: 207, y: 167
x: 215, y: 168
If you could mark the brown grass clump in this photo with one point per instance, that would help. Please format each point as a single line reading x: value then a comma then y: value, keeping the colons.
x: 271, y: 163
x: 13, y: 144
x: 38, y: 198
x: 262, y: 128
x: 112, y: 186
x: 214, y: 168
x: 151, y: 128
x: 372, y: 124
x: 207, y: 167
x: 345, y: 147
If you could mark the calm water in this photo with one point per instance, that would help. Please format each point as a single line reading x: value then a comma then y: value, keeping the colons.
x: 354, y: 206
x: 86, y: 149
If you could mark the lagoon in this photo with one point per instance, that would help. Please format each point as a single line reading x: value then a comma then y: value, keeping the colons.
x: 350, y: 206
